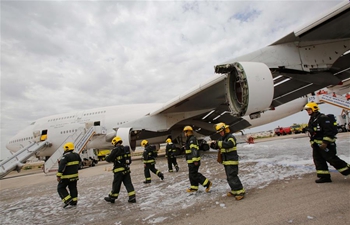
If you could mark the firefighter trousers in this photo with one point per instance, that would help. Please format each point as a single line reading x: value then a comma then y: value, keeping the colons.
x: 119, y: 178
x: 171, y: 162
x: 196, y: 177
x: 72, y: 187
x: 233, y: 180
x: 321, y: 157
x: 151, y: 167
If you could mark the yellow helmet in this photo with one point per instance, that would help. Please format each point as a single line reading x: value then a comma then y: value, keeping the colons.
x: 116, y: 139
x: 220, y: 127
x: 188, y: 128
x: 69, y: 146
x: 144, y: 143
x: 168, y: 140
x: 311, y: 105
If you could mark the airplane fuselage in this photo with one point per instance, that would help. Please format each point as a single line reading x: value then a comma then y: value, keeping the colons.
x: 59, y: 127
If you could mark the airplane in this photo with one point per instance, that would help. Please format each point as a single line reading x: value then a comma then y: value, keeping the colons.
x: 248, y: 91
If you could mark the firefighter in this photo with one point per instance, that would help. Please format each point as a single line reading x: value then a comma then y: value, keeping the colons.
x: 228, y: 149
x: 149, y: 160
x: 194, y: 161
x: 121, y: 158
x: 67, y: 175
x: 170, y: 152
x: 322, y: 139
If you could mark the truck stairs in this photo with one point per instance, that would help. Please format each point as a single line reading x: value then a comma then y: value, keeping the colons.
x: 332, y: 99
x: 336, y: 100
x: 15, y: 162
x: 80, y: 139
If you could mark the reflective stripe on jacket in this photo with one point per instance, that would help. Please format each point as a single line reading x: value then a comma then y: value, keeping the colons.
x: 69, y: 165
x: 322, y: 128
x: 192, y: 150
x: 228, y: 149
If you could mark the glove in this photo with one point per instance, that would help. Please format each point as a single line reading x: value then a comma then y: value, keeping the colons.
x: 58, y: 179
x: 213, y: 145
x: 323, y: 146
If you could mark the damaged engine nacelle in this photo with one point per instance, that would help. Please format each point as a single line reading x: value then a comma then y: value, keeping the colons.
x: 249, y: 86
x: 125, y: 135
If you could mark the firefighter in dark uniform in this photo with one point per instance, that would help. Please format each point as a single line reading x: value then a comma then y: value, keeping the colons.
x: 149, y: 155
x: 322, y: 140
x: 170, y: 152
x: 194, y: 161
x: 228, y: 149
x: 121, y: 158
x: 67, y: 175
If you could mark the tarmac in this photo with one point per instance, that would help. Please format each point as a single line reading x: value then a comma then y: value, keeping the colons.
x: 298, y: 200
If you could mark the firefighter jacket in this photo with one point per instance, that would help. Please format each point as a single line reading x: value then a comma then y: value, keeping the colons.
x: 69, y: 166
x: 118, y: 157
x: 170, y: 150
x: 228, y: 149
x: 192, y: 150
x: 321, y: 129
x: 149, y: 154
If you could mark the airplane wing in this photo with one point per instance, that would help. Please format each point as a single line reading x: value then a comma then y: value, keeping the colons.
x: 306, y: 60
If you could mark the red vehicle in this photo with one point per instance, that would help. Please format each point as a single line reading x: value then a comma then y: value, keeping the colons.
x: 282, y: 131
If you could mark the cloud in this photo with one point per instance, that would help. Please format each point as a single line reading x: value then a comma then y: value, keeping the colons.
x: 61, y: 56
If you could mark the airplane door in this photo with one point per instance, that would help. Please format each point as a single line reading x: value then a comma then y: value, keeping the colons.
x: 98, y: 128
x: 40, y: 135
x: 43, y: 136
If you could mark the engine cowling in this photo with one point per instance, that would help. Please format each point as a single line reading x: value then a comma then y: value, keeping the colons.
x: 125, y: 134
x: 249, y: 86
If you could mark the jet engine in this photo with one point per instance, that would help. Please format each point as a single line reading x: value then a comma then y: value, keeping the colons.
x: 125, y: 133
x: 249, y: 87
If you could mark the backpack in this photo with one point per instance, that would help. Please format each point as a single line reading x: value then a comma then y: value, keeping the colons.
x: 333, y: 121
x: 127, y: 155
x: 154, y: 151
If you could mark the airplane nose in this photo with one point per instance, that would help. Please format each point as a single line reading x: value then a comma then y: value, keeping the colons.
x: 10, y: 146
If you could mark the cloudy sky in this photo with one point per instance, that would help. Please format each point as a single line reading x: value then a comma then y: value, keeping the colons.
x: 61, y: 56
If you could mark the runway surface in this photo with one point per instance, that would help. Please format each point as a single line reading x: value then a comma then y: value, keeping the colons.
x: 278, y: 175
